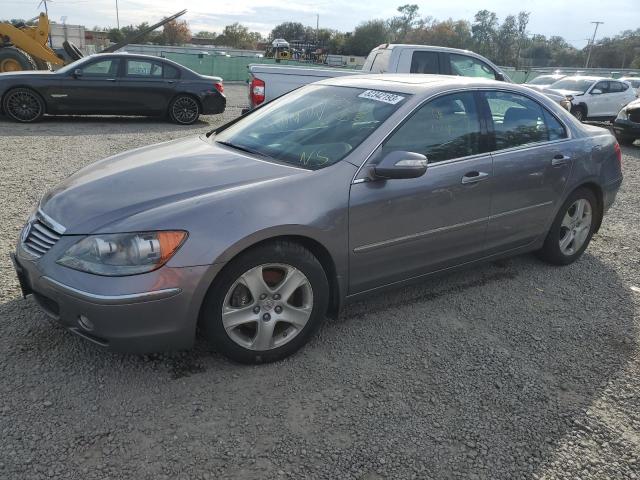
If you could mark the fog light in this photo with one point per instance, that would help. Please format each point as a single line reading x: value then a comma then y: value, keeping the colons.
x: 85, y: 323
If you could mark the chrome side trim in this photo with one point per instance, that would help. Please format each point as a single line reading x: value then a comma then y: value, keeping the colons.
x: 519, y: 210
x: 414, y: 236
x: 51, y: 223
x: 112, y: 299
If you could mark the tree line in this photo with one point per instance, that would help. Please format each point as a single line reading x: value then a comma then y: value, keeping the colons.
x: 506, y: 42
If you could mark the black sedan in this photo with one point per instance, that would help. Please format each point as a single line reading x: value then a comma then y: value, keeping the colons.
x: 627, y: 123
x: 112, y: 84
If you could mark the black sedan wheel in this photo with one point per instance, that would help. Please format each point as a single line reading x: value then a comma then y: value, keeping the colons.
x: 23, y: 105
x: 184, y: 110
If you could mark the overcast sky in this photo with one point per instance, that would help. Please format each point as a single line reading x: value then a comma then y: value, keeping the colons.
x: 568, y: 18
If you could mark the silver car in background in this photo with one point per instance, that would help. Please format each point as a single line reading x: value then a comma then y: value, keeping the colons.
x: 259, y: 230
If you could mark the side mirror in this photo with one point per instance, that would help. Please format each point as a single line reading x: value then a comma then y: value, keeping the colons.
x: 596, y: 91
x: 399, y: 164
x: 77, y: 73
x: 500, y: 76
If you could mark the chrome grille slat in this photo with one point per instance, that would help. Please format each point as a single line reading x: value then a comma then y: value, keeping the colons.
x: 35, y: 247
x: 42, y: 237
x: 34, y: 240
x: 46, y: 231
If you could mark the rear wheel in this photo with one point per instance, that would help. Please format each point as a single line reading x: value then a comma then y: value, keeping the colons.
x: 14, y: 60
x: 184, y: 110
x: 23, y: 105
x: 266, y: 303
x: 572, y: 228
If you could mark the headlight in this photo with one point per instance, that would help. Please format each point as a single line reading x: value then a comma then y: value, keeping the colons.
x: 122, y: 254
x: 623, y: 115
x: 566, y: 104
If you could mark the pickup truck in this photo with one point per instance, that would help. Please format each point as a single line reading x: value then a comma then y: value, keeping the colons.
x: 267, y: 82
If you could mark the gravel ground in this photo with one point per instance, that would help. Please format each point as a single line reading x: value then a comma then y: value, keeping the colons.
x: 512, y: 370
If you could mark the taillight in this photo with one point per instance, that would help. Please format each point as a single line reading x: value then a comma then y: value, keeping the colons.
x: 616, y: 148
x: 256, y: 91
x: 219, y: 86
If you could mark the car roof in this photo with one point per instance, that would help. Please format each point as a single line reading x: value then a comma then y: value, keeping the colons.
x: 587, y: 77
x: 415, y: 83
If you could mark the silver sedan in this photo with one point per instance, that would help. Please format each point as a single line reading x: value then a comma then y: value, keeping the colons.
x: 260, y: 229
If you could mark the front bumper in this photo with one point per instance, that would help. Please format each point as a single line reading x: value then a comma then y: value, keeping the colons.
x: 626, y: 128
x: 141, y: 322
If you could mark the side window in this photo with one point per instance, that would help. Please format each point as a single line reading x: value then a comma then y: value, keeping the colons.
x: 171, y: 72
x: 102, y: 68
x: 624, y: 86
x: 143, y: 68
x: 445, y: 128
x: 603, y: 86
x: 424, y: 62
x: 466, y: 66
x: 518, y: 120
x: 615, y: 87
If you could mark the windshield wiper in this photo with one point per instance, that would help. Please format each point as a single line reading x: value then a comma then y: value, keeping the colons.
x: 243, y: 149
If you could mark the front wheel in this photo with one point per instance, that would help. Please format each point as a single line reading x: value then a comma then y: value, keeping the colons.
x: 23, y: 105
x: 572, y: 228
x: 579, y: 113
x: 184, y: 110
x: 266, y: 303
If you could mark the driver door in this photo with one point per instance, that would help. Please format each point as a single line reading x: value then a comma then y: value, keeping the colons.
x: 600, y: 103
x: 400, y: 229
x: 93, y: 91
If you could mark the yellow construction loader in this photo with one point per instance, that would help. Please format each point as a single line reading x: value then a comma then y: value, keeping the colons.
x: 24, y: 47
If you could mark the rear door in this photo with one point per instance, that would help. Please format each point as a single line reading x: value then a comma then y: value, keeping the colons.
x: 400, y: 229
x: 532, y: 158
x: 92, y: 91
x: 148, y: 86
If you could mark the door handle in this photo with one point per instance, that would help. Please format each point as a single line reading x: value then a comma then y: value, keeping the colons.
x: 111, y: 79
x: 474, y: 177
x: 171, y: 82
x: 560, y: 159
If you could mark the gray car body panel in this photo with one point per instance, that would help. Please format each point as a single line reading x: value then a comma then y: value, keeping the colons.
x: 377, y: 234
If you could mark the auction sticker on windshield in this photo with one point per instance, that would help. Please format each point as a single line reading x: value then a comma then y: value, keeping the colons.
x: 385, y: 97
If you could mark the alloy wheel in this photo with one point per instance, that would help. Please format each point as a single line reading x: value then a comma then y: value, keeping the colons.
x: 185, y: 110
x: 575, y: 226
x: 267, y: 306
x: 23, y: 106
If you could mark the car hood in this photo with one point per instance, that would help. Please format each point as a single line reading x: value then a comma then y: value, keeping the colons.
x: 564, y: 92
x: 139, y: 180
x: 633, y: 104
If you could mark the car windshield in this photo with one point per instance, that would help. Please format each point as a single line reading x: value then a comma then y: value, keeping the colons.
x: 313, y: 127
x: 573, y: 84
x: 542, y: 80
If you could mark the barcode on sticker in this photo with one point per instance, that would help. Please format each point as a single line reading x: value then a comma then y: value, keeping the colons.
x: 385, y: 97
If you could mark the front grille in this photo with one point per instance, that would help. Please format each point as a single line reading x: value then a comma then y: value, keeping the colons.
x: 40, y: 238
x: 634, y: 115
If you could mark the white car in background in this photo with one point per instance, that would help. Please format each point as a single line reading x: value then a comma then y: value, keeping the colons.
x: 634, y: 82
x: 542, y: 82
x: 594, y: 98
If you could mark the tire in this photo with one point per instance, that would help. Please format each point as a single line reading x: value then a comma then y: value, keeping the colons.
x: 184, y: 110
x: 625, y: 140
x: 23, y: 105
x: 559, y: 248
x: 579, y: 112
x: 263, y: 331
x: 15, y: 60
x: 71, y: 50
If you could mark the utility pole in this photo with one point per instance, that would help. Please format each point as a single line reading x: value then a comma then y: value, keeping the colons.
x: 317, y: 27
x: 117, y: 15
x: 593, y: 39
